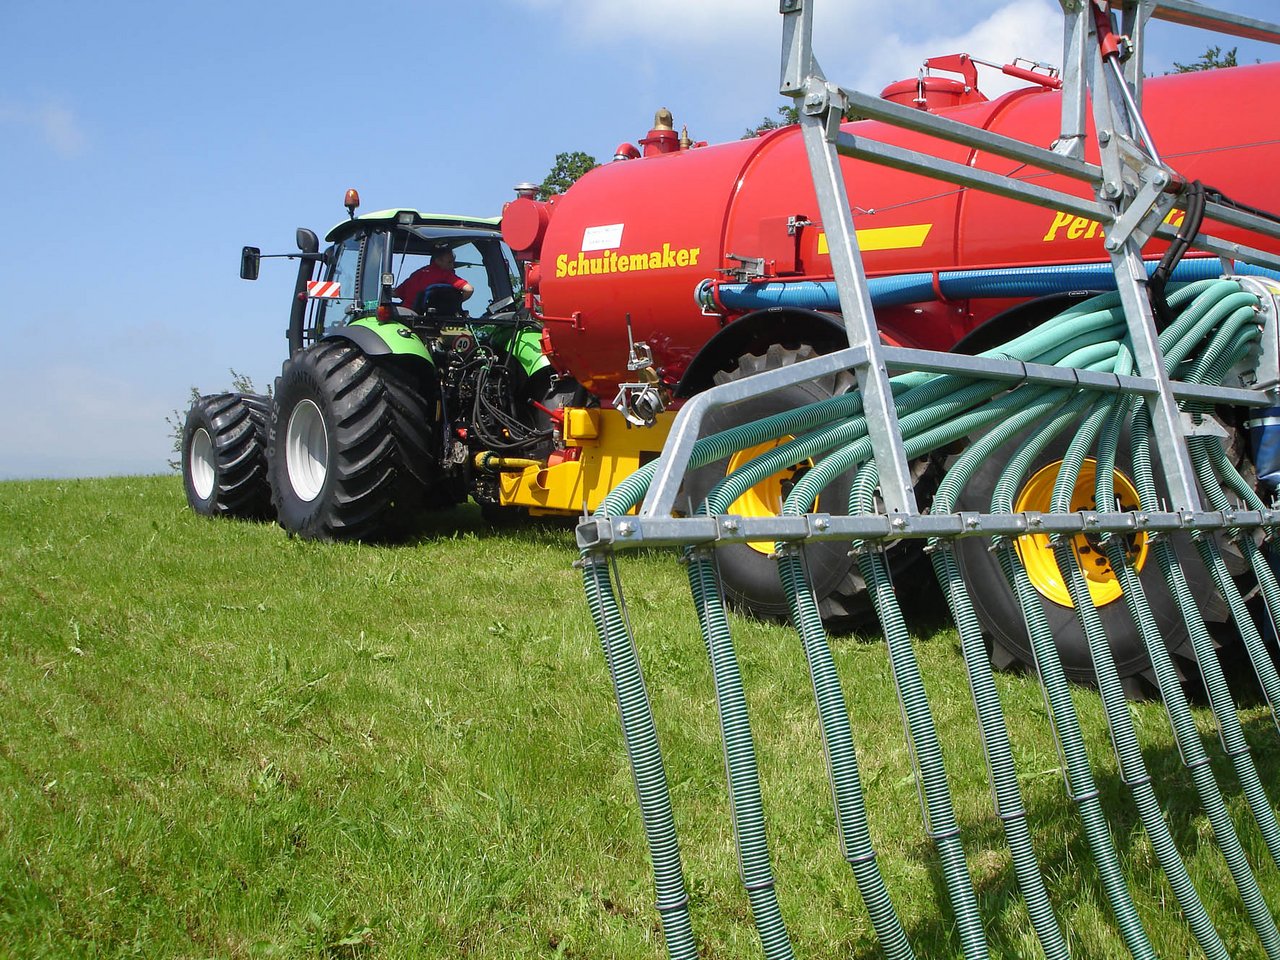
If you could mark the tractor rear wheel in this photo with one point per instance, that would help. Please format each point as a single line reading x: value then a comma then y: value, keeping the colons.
x: 224, y: 456
x: 353, y: 445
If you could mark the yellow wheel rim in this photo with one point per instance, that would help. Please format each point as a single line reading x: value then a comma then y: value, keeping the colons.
x: 1036, y: 552
x: 766, y: 497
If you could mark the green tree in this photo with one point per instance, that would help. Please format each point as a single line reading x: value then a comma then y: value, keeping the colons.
x: 565, y: 171
x: 1212, y: 59
x: 790, y: 114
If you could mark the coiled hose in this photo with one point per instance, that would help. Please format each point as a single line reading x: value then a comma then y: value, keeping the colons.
x: 933, y: 410
x: 1234, y: 744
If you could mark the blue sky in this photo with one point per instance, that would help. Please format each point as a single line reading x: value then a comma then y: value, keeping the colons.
x: 142, y: 144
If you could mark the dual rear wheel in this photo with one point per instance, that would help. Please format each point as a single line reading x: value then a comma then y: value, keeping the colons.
x: 224, y: 455
x: 348, y: 448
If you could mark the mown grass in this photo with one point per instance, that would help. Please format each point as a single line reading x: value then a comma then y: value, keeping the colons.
x: 219, y: 742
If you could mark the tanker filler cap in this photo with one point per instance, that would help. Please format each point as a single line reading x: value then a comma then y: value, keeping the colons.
x: 526, y: 190
x: 662, y: 138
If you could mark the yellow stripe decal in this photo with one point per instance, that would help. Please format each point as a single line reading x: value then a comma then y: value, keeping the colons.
x: 886, y: 238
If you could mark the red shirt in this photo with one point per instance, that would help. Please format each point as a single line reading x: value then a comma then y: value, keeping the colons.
x: 419, y: 280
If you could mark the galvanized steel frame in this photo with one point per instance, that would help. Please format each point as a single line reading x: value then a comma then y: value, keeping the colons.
x: 1133, y: 194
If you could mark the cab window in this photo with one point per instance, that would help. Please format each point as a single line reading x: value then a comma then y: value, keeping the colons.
x: 371, y: 270
x: 332, y: 312
x: 482, y: 263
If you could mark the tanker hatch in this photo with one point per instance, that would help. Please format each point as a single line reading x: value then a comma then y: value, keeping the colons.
x: 931, y: 94
x: 662, y: 138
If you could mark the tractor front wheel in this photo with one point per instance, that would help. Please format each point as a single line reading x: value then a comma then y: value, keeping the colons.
x: 224, y: 456
x: 353, y: 444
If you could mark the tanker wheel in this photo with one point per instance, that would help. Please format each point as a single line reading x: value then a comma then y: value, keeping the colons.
x: 353, y: 444
x: 998, y: 609
x: 224, y: 456
x: 747, y: 571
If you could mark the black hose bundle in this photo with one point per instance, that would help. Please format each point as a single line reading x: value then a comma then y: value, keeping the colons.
x: 494, y: 417
x: 1188, y: 230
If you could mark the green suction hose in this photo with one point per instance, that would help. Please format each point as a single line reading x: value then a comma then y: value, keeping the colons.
x: 1186, y: 735
x: 1133, y: 769
x: 841, y: 755
x: 1230, y: 731
x: 941, y: 823
x: 1212, y: 328
x: 640, y: 739
x: 996, y: 747
x: 1066, y: 723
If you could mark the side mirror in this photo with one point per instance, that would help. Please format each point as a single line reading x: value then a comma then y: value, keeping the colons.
x: 249, y: 261
x: 308, y: 242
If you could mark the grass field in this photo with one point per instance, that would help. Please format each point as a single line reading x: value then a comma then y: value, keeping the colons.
x: 219, y: 742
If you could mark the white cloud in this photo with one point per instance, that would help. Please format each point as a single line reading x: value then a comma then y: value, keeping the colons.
x: 55, y: 123
x: 679, y: 22
x: 861, y: 43
x: 1032, y: 30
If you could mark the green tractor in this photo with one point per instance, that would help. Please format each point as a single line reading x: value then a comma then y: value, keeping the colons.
x: 383, y: 410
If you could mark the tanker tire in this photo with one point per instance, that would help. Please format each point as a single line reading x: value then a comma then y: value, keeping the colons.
x: 750, y: 577
x: 224, y: 456
x: 1001, y: 616
x: 352, y: 446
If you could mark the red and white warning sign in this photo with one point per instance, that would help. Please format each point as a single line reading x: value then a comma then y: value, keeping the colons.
x: 323, y: 289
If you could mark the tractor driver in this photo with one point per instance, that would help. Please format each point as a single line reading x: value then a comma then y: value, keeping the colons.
x: 439, y: 271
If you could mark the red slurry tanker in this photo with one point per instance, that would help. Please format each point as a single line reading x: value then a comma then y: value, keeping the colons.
x: 635, y: 238
x: 680, y: 266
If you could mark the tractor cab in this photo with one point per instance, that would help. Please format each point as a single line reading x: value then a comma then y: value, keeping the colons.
x: 373, y: 255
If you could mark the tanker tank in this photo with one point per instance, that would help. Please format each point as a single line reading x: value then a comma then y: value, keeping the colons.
x: 619, y: 256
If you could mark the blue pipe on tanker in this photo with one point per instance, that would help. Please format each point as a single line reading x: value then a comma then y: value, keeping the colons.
x: 907, y: 288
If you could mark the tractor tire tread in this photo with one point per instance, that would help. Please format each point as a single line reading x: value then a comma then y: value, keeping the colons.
x: 380, y: 437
